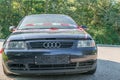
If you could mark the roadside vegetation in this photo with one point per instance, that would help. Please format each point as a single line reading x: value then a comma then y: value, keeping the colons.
x: 101, y: 16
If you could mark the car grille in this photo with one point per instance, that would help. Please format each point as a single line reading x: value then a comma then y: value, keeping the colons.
x: 31, y: 66
x: 50, y: 45
x: 52, y: 59
x: 15, y: 66
x: 51, y: 66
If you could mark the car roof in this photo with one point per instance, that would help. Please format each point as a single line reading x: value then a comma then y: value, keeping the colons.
x: 35, y: 15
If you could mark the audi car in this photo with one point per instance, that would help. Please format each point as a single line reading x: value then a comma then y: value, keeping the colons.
x: 49, y: 44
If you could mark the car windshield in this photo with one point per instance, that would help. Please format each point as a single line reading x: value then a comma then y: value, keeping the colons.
x: 46, y: 21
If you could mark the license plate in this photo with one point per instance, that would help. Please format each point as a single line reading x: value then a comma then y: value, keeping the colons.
x: 52, y: 59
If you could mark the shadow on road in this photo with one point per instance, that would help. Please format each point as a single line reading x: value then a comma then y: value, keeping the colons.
x: 107, y: 70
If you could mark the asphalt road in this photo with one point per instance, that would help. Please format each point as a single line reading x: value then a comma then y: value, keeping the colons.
x: 108, y: 68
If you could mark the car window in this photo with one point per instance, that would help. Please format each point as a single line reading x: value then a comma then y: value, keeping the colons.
x: 47, y: 21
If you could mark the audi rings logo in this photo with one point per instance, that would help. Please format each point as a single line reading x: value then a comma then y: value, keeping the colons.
x: 51, y: 44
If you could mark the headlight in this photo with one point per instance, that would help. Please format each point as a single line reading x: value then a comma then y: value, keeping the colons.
x: 86, y: 43
x: 16, y: 45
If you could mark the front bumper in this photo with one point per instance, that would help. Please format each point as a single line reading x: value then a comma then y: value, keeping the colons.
x: 24, y: 62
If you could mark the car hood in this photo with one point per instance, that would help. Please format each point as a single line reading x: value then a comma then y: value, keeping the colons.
x: 46, y: 33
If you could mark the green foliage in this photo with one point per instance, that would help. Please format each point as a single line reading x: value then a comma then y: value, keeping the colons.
x: 101, y: 16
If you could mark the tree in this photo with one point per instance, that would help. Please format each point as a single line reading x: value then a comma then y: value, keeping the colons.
x: 101, y: 16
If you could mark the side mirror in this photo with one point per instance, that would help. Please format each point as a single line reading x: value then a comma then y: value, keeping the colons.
x: 12, y: 28
x: 84, y: 27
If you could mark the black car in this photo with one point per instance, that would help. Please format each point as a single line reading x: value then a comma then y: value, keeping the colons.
x: 45, y: 44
